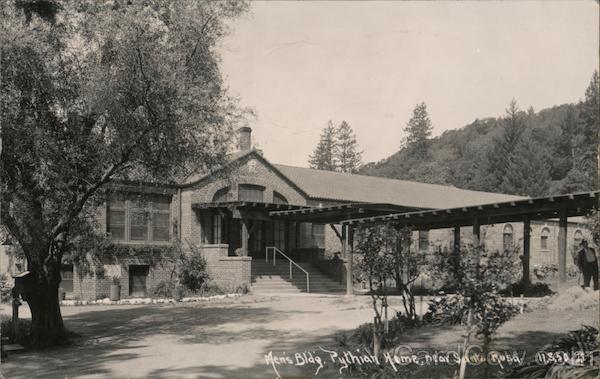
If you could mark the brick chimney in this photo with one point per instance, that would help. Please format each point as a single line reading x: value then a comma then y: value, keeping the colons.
x: 244, y: 138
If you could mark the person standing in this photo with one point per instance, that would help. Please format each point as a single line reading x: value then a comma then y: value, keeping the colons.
x: 587, y: 261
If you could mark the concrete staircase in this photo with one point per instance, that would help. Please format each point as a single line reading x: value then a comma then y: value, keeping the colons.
x: 269, y: 279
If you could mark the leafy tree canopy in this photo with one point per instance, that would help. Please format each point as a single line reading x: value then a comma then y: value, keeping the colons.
x: 98, y: 91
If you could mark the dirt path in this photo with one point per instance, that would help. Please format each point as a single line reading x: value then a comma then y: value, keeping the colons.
x: 230, y: 338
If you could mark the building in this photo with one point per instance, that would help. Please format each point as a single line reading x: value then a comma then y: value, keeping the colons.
x: 226, y: 214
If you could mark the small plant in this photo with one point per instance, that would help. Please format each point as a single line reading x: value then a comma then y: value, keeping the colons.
x: 163, y: 289
x: 243, y: 288
x: 581, y: 343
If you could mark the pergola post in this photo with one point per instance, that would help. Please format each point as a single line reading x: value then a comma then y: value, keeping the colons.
x: 457, y: 240
x: 476, y: 241
x: 526, y: 250
x: 348, y: 235
x: 562, y: 246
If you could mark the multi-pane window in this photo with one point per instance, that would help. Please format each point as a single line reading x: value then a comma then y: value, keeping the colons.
x: 279, y: 234
x: 140, y: 218
x: 423, y: 240
x: 218, y: 229
x: 116, y: 218
x: 279, y: 198
x: 257, y: 235
x: 66, y: 278
x: 544, y: 238
x: 318, y: 235
x: 250, y: 192
x: 507, y: 237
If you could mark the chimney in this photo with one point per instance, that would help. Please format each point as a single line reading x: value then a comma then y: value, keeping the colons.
x: 244, y: 138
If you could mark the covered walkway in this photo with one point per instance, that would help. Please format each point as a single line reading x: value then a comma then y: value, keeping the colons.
x: 350, y: 216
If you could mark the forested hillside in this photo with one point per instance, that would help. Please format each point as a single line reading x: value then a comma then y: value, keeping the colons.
x: 550, y: 151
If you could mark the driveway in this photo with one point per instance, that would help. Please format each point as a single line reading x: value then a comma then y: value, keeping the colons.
x: 230, y: 338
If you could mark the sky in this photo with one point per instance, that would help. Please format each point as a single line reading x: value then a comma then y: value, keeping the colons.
x: 300, y: 64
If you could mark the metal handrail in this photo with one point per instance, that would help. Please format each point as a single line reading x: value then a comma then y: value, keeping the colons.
x: 276, y: 250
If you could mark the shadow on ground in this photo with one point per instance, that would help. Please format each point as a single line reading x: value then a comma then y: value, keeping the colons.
x: 231, y: 339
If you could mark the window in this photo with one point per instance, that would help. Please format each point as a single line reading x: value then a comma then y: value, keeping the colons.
x: 161, y: 218
x: 116, y: 218
x: 221, y: 195
x: 66, y: 278
x: 257, y: 235
x: 139, y: 218
x: 137, y: 280
x: 138, y: 221
x: 250, y: 192
x: 423, y: 240
x: 544, y: 238
x: 507, y: 237
x: 279, y: 234
x: 279, y: 198
x: 218, y: 232
x: 318, y: 235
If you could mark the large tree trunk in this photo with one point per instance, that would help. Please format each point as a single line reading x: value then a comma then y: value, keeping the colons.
x: 47, y: 328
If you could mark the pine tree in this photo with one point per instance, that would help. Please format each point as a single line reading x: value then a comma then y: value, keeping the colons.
x: 528, y: 171
x: 586, y: 143
x: 418, y: 130
x: 347, y: 154
x: 324, y: 156
x: 499, y: 158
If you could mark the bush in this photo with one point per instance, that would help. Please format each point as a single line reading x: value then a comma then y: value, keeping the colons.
x: 8, y: 330
x: 363, y: 335
x: 6, y: 285
x: 164, y: 289
x: 581, y: 340
x: 448, y: 310
x: 532, y: 290
x: 192, y: 273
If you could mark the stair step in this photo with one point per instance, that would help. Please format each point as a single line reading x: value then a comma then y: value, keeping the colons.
x: 267, y: 277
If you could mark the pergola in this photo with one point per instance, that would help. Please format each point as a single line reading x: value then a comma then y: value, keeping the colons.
x: 354, y: 215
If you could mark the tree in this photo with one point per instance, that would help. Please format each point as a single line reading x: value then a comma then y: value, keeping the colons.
x: 586, y: 142
x: 528, y: 172
x: 383, y: 253
x: 347, y: 155
x: 94, y: 92
x: 501, y: 155
x: 324, y: 156
x: 418, y: 130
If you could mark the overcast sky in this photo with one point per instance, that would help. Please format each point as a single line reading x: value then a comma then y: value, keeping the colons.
x: 299, y: 64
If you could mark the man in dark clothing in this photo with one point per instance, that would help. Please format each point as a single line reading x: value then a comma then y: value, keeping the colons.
x: 588, y: 264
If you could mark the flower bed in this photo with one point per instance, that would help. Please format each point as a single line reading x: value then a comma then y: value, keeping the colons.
x: 147, y: 300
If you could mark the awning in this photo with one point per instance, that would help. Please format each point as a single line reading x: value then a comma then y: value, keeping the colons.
x: 338, y: 213
x: 541, y: 208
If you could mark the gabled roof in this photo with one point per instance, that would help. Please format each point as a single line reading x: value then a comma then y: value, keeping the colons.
x: 328, y: 185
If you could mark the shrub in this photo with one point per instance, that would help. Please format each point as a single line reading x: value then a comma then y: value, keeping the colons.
x: 163, y: 289
x: 192, y: 273
x: 243, y: 288
x: 8, y: 330
x: 531, y: 290
x: 582, y: 340
x: 448, y: 310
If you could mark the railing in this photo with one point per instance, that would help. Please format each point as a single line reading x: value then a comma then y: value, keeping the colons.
x: 275, y: 250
